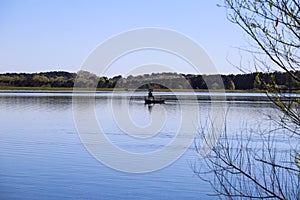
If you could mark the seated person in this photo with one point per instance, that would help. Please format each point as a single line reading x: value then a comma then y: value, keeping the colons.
x: 150, y: 95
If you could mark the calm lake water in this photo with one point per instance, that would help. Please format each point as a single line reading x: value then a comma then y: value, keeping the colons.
x: 42, y: 157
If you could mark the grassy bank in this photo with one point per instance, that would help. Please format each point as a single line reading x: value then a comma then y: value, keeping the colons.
x: 123, y: 89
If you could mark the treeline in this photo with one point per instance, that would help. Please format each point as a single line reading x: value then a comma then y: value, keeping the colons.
x: 61, y: 79
x: 43, y: 79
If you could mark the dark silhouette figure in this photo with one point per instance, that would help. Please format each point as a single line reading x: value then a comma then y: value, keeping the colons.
x: 150, y: 95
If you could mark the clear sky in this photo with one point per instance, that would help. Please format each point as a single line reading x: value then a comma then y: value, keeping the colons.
x: 46, y: 35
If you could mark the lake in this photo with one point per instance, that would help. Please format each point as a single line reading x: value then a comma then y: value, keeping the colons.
x: 42, y: 156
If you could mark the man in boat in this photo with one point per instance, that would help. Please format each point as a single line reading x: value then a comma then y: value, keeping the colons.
x: 150, y: 99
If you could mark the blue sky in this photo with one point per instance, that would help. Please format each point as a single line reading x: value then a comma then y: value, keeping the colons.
x: 37, y: 35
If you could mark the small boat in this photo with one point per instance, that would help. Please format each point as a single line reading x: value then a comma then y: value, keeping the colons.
x: 152, y: 101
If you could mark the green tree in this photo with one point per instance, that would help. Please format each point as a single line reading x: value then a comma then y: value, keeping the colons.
x: 40, y: 80
x: 86, y: 79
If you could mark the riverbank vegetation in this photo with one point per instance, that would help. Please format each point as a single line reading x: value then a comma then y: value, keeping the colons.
x: 61, y: 80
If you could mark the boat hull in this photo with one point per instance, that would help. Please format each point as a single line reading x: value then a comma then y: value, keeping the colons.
x: 153, y: 101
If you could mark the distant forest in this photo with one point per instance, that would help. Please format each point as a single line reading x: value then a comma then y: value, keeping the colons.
x: 61, y: 79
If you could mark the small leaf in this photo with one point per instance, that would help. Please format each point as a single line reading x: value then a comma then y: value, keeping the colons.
x: 252, y: 25
x: 271, y: 5
x: 292, y: 13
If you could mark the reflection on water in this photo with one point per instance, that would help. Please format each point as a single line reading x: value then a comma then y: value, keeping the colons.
x: 41, y: 156
x: 150, y: 106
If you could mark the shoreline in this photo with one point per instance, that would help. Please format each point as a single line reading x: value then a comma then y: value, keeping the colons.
x: 70, y: 89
